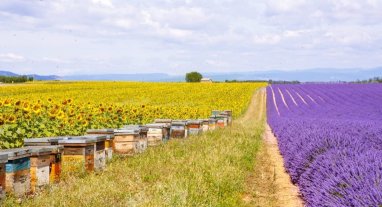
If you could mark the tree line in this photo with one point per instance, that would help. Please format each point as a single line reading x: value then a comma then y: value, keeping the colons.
x: 15, y: 79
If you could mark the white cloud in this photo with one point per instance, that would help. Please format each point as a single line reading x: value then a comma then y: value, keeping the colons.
x: 11, y: 57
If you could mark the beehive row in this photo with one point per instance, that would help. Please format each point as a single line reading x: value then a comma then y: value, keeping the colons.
x: 40, y: 162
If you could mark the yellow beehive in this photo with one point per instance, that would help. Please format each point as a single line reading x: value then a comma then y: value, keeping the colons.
x: 78, y: 154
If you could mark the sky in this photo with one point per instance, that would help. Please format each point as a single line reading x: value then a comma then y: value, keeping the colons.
x: 69, y: 37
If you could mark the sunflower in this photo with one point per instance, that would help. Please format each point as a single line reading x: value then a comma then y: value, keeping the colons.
x: 53, y: 113
x: 60, y: 114
x: 7, y: 102
x: 26, y: 106
x: 84, y: 123
x: 11, y: 119
x: 2, y: 121
x: 36, y: 109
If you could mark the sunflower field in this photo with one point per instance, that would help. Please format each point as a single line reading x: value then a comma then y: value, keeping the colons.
x: 69, y: 108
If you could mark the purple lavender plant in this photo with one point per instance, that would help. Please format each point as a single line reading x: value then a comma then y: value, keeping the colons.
x: 330, y: 136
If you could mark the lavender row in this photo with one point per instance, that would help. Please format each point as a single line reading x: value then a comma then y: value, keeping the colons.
x: 331, y: 139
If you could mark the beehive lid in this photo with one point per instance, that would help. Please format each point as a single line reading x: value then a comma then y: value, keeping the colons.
x: 143, y: 128
x: 56, y: 148
x: 131, y: 126
x: 162, y: 120
x: 100, y: 131
x: 39, y: 150
x: 178, y: 123
x: 215, y: 112
x: 224, y: 114
x: 79, y: 140
x: 156, y: 125
x: 229, y: 112
x: 3, y: 158
x: 194, y: 122
x: 96, y: 137
x: 16, y: 153
x: 204, y: 120
x: 43, y: 140
x: 126, y: 131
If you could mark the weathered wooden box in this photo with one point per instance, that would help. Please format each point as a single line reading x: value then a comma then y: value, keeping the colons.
x: 17, y: 171
x: 44, y: 141
x: 3, y: 161
x: 126, y: 141
x: 99, y: 151
x: 166, y: 127
x: 156, y: 133
x: 78, y: 154
x: 215, y: 112
x: 212, y: 123
x: 229, y: 113
x: 143, y: 141
x: 39, y: 167
x: 179, y: 129
x: 194, y: 127
x: 109, y: 133
x: 205, y: 125
x: 55, y: 156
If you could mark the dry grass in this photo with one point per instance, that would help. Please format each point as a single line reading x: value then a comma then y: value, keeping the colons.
x: 208, y: 170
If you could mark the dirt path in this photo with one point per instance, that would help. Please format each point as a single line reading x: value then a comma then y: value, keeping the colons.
x: 270, y: 185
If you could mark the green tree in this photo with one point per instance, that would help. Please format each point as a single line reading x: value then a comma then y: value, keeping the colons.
x: 193, y: 77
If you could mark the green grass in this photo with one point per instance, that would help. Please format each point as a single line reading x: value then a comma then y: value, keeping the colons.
x: 208, y: 170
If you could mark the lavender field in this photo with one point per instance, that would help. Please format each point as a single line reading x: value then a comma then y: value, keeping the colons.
x: 330, y: 136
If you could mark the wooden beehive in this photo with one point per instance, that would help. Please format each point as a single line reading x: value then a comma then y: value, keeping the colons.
x: 99, y: 151
x: 166, y: 127
x: 212, y: 124
x: 78, y: 154
x: 215, y: 112
x: 39, y: 167
x: 3, y: 161
x: 55, y: 156
x: 205, y: 125
x: 194, y: 127
x: 179, y: 129
x: 142, y: 141
x: 156, y: 133
x: 17, y: 171
x: 126, y: 141
x: 109, y: 133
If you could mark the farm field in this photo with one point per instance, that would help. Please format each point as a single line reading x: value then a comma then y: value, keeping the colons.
x: 206, y: 170
x: 330, y: 138
x: 69, y: 108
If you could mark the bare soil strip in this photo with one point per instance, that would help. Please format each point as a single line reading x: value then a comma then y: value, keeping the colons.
x: 269, y: 184
x: 287, y: 193
x: 303, y: 100
x: 311, y: 98
x: 274, y: 100
x: 282, y: 98
x: 294, y: 101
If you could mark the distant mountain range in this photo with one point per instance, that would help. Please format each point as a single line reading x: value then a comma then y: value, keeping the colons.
x: 318, y: 74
